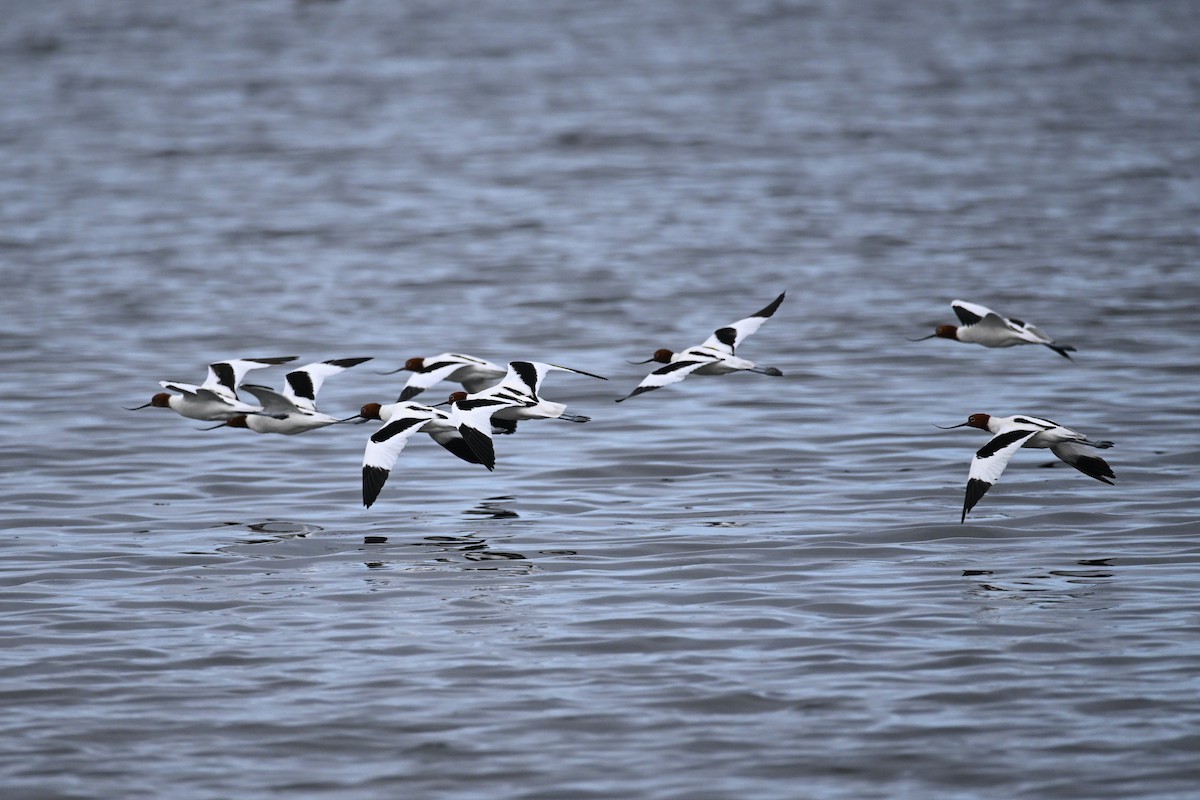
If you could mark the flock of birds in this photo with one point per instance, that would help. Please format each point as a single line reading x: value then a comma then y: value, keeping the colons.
x: 494, y: 399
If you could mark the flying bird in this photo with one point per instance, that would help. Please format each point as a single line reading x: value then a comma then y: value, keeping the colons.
x: 981, y: 325
x: 294, y: 409
x: 216, y: 399
x: 1010, y: 434
x: 715, y: 356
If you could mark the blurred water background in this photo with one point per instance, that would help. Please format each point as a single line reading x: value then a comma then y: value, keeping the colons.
x: 731, y: 588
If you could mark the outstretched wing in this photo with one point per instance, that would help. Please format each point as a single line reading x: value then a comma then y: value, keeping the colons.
x: 302, y: 384
x: 989, y: 463
x: 449, y: 438
x: 384, y: 447
x: 184, y: 388
x: 525, y: 377
x: 225, y: 376
x: 272, y: 402
x: 1083, y: 458
x: 726, y: 340
x: 972, y: 313
x: 666, y: 375
x: 209, y: 396
x: 472, y: 418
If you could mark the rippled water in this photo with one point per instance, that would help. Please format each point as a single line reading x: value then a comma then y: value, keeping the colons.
x: 731, y: 588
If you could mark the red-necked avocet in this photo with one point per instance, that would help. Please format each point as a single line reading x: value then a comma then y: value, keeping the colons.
x: 715, y: 356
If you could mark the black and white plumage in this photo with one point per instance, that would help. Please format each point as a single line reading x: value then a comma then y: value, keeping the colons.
x: 715, y: 356
x: 294, y: 409
x: 513, y: 399
x: 475, y: 374
x: 1010, y: 434
x: 980, y: 325
x: 216, y: 399
x: 400, y: 422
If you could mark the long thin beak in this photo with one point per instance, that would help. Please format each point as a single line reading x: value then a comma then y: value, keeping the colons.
x: 214, y: 427
x: 361, y: 419
x: 952, y: 427
x: 136, y: 408
x: 393, y: 372
x: 647, y: 361
x: 923, y: 338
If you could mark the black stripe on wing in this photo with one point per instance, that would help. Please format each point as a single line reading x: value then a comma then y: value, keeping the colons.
x: 966, y: 317
x: 727, y: 336
x: 1001, y: 441
x: 226, y: 376
x: 1044, y: 424
x: 674, y: 365
x: 373, y: 479
x: 527, y: 373
x: 396, y: 427
x: 472, y: 403
x: 302, y: 384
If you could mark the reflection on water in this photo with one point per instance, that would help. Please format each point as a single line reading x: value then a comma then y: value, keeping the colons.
x: 493, y: 508
x: 1041, y: 587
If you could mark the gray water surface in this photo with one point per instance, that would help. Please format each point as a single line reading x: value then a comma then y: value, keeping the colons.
x: 737, y: 587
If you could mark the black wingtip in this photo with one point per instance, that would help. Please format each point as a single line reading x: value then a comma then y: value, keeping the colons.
x: 408, y: 393
x: 346, y: 363
x: 459, y: 448
x: 637, y: 391
x: 481, y: 445
x: 976, y: 489
x: 373, y: 479
x: 276, y: 360
x: 770, y: 309
x: 1095, y: 467
x: 1062, y: 350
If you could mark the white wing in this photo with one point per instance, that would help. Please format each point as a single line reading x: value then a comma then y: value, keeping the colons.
x: 973, y: 313
x: 525, y: 377
x: 726, y: 340
x: 384, y: 447
x: 225, y: 376
x: 989, y: 462
x: 301, y: 385
x: 667, y: 374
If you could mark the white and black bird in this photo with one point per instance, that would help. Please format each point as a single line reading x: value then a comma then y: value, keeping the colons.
x: 513, y: 399
x: 981, y: 325
x: 1010, y: 434
x: 475, y: 374
x: 216, y: 399
x: 400, y: 422
x: 294, y: 409
x: 717, y: 355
